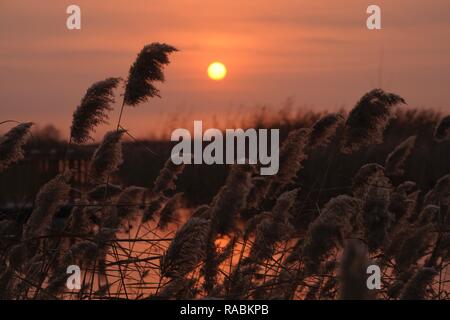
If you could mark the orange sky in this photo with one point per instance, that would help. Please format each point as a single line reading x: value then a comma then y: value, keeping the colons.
x: 317, y: 52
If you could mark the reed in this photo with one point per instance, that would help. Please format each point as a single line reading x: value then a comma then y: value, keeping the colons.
x: 251, y: 239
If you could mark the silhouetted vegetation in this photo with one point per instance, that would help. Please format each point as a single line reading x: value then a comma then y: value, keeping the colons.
x: 370, y: 187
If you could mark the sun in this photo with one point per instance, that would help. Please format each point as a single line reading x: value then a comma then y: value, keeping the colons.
x: 217, y: 71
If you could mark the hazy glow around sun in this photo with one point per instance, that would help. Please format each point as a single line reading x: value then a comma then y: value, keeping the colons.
x: 217, y: 71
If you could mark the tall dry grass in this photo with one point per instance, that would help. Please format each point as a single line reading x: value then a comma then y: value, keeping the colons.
x: 258, y: 238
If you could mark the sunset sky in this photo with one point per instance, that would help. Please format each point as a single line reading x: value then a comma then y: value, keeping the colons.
x: 319, y: 53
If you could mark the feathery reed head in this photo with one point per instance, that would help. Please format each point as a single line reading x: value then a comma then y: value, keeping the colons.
x: 231, y: 198
x: 254, y: 221
x: 187, y: 249
x: 284, y: 203
x: 272, y: 228
x: 376, y: 217
x: 11, y: 145
x: 268, y: 233
x: 156, y: 204
x: 257, y: 193
x: 328, y: 231
x: 364, y: 177
x: 442, y: 131
x: 129, y: 202
x: 108, y: 156
x: 403, y: 200
x: 169, y: 213
x: 368, y: 119
x: 202, y: 211
x: 48, y: 200
x: 147, y: 68
x: 165, y: 182
x: 395, y: 161
x: 93, y: 109
x: 324, y: 129
x: 292, y: 154
x: 79, y: 219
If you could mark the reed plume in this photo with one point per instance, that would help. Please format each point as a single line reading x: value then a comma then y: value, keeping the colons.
x: 11, y: 145
x: 395, y: 161
x: 403, y: 200
x: 405, y: 231
x: 230, y: 199
x: 324, y: 130
x: 147, y: 69
x: 292, y: 154
x: 167, y: 177
x: 336, y: 220
x: 108, y: 157
x: 187, y: 249
x: 368, y: 119
x: 93, y: 109
x: 257, y: 193
x: 214, y: 258
x: 376, y: 217
x: 155, y: 206
x: 282, y: 209
x: 365, y: 177
x: 253, y: 222
x: 163, y: 189
x: 79, y: 219
x: 268, y: 233
x: 48, y: 200
x: 224, y: 211
x: 169, y: 213
x: 273, y: 229
x: 202, y: 211
x: 442, y: 130
x: 129, y: 202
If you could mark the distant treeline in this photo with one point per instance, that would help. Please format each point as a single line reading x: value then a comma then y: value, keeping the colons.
x: 45, y: 157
